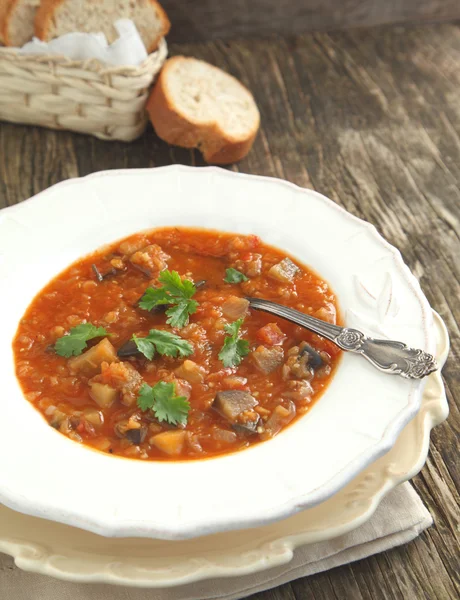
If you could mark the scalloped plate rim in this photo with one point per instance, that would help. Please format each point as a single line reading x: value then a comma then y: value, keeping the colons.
x: 112, y: 527
x: 433, y: 415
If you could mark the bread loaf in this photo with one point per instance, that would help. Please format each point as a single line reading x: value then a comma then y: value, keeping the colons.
x: 57, y: 17
x: 18, y: 21
x: 197, y: 105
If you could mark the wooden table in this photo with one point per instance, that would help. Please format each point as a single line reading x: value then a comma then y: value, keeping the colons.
x: 372, y: 120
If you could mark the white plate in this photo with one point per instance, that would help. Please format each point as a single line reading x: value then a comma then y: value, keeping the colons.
x: 356, y: 421
x: 76, y: 555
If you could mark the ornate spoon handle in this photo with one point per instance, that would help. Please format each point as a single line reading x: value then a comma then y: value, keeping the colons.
x: 386, y: 355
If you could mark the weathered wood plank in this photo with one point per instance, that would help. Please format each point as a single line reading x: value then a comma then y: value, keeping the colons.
x: 371, y: 119
x: 220, y: 19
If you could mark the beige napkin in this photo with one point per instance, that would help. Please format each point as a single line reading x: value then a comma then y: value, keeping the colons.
x: 400, y: 517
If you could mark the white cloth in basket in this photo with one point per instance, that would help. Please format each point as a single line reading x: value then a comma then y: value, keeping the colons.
x: 128, y: 49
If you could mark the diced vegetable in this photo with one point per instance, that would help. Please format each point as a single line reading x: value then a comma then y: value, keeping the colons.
x: 267, y: 360
x: 299, y: 390
x: 224, y: 436
x: 250, y: 265
x: 271, y: 335
x: 183, y: 388
x: 237, y: 407
x: 89, y: 362
x: 191, y: 372
x: 129, y: 348
x: 284, y: 271
x: 234, y: 383
x: 235, y: 308
x: 327, y: 313
x: 123, y: 377
x: 136, y: 436
x: 193, y: 442
x: 93, y: 416
x: 314, y: 358
x: 102, y: 394
x: 280, y: 417
x: 133, y: 245
x: 131, y: 429
x: 105, y: 275
x: 151, y: 260
x: 302, y: 361
x: 169, y: 442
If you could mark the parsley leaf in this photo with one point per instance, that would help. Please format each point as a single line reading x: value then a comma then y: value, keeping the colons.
x: 166, y: 406
x: 74, y: 342
x: 234, y: 276
x: 175, y: 291
x: 153, y: 297
x: 178, y: 315
x: 163, y: 342
x: 234, y: 348
x: 175, y: 286
x: 145, y: 346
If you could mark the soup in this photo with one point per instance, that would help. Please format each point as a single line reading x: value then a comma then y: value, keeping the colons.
x: 148, y: 348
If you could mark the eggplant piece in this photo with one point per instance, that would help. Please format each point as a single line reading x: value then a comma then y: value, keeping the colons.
x: 281, y: 416
x: 284, y: 271
x: 125, y: 429
x: 235, y: 308
x: 250, y: 427
x: 315, y: 360
x: 237, y: 407
x: 267, y: 360
x: 101, y: 276
x: 136, y: 436
x: 129, y: 348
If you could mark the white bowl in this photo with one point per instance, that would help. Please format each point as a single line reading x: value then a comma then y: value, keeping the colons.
x: 357, y: 420
x: 75, y: 555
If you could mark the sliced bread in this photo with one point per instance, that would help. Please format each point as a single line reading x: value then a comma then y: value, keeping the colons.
x: 57, y: 17
x: 18, y: 21
x: 4, y: 4
x: 196, y: 105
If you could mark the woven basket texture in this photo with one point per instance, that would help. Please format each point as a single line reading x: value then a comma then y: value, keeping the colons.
x: 88, y: 97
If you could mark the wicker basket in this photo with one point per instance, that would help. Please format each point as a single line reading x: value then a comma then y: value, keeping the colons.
x: 88, y: 97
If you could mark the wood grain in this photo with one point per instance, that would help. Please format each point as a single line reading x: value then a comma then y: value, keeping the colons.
x: 221, y: 19
x: 372, y: 120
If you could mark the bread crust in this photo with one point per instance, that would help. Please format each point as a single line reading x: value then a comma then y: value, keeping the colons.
x: 48, y: 8
x: 217, y: 146
x: 4, y: 5
x: 5, y: 16
x: 44, y: 17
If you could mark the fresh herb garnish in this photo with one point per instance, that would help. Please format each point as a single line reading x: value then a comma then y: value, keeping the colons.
x: 234, y: 276
x: 234, y: 348
x: 162, y: 400
x: 163, y: 342
x: 76, y: 340
x: 175, y: 291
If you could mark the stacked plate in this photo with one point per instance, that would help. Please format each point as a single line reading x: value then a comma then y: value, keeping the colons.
x: 64, y: 505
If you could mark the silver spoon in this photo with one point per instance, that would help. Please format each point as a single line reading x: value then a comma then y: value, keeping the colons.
x: 386, y: 355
